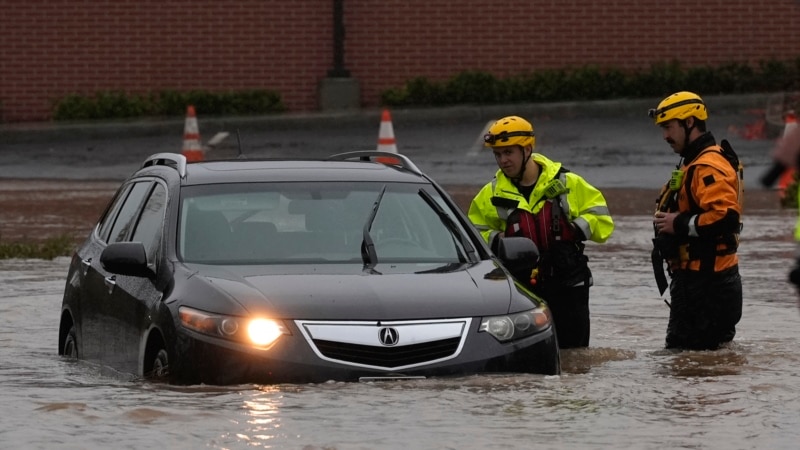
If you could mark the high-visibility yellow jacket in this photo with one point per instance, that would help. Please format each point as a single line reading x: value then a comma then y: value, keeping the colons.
x: 582, y: 203
x: 797, y: 225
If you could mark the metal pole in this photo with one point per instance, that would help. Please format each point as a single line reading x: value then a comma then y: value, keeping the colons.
x: 338, y: 41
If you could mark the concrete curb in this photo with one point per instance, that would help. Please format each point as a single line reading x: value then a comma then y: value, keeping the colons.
x: 633, y: 108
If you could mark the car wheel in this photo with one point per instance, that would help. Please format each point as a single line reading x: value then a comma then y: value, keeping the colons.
x: 160, y: 366
x: 71, y: 344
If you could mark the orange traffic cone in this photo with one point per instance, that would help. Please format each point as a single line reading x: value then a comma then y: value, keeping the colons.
x: 192, y: 149
x: 787, y: 178
x: 386, y: 141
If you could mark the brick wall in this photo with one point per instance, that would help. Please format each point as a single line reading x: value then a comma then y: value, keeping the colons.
x: 49, y: 48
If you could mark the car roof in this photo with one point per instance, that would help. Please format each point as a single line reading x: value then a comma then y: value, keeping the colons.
x: 294, y: 170
x: 354, y: 166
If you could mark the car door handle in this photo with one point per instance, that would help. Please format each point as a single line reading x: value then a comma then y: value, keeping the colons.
x: 110, y: 282
x: 86, y: 264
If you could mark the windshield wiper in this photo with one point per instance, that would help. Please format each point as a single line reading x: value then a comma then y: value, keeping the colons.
x: 450, y: 224
x: 368, y: 253
x: 447, y: 268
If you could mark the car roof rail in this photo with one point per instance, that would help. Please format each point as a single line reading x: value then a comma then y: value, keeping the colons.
x: 174, y: 160
x: 374, y: 155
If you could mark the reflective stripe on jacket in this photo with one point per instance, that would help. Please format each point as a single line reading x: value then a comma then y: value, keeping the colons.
x: 582, y: 203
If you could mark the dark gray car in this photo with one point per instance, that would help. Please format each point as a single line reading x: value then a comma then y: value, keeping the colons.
x: 351, y: 268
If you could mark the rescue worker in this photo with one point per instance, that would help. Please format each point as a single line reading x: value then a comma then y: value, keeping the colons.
x: 786, y: 156
x: 697, y: 225
x: 535, y: 197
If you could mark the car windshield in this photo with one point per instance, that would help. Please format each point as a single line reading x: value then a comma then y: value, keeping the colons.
x: 331, y: 222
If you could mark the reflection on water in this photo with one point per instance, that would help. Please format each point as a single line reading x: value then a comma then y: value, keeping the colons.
x: 726, y: 361
x: 264, y: 416
x: 625, y: 391
x: 581, y: 360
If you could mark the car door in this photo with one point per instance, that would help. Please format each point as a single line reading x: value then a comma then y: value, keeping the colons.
x: 89, y: 282
x: 106, y: 321
x: 131, y: 298
x: 82, y: 275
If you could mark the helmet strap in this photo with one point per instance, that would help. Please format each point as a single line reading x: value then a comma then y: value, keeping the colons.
x: 525, y: 159
x: 687, y: 131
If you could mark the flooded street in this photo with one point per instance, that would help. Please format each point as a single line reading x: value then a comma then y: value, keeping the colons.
x: 624, y: 391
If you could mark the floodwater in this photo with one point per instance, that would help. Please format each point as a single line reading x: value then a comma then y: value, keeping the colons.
x: 624, y: 391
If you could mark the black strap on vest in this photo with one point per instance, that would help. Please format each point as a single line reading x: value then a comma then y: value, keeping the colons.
x: 557, y: 209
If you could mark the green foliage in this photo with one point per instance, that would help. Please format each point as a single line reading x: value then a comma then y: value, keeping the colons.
x: 547, y: 85
x: 423, y: 92
x: 53, y: 247
x: 730, y: 78
x: 471, y: 87
x: 168, y: 103
x: 778, y: 73
x: 596, y: 83
x: 75, y: 107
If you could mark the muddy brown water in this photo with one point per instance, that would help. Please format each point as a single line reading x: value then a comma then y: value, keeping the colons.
x: 624, y: 391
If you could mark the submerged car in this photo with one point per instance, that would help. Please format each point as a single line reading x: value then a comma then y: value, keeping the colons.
x: 349, y: 268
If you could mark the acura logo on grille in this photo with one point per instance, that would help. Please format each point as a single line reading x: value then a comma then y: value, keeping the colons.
x: 389, y: 336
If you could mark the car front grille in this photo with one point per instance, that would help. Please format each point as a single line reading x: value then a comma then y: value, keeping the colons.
x: 389, y: 357
x: 386, y: 345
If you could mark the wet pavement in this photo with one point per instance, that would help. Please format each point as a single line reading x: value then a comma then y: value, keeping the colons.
x: 611, y: 143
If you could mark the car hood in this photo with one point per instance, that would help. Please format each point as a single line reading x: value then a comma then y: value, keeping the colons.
x: 319, y: 293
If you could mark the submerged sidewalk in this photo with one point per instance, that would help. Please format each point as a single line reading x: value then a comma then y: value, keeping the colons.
x: 612, y: 143
x: 147, y: 127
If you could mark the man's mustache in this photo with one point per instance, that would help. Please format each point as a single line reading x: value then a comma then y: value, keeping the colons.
x: 670, y: 141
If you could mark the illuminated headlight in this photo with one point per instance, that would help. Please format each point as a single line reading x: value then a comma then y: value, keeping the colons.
x: 263, y: 332
x: 516, y: 326
x: 258, y: 332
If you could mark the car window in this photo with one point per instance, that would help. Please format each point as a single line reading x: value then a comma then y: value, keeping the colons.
x: 285, y: 223
x: 104, y: 227
x: 126, y: 217
x: 148, y: 230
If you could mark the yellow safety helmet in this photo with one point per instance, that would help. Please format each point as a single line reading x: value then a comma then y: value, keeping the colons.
x: 679, y: 105
x: 511, y: 130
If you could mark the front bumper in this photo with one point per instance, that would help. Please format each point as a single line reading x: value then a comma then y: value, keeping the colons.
x: 309, y: 355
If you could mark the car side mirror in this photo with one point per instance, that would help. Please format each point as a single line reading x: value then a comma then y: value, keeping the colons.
x: 518, y: 250
x: 126, y: 258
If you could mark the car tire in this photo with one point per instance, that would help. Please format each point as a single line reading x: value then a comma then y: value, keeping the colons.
x: 159, y: 366
x: 70, y: 349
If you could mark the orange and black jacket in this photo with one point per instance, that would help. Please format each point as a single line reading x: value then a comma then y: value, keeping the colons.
x: 709, y: 201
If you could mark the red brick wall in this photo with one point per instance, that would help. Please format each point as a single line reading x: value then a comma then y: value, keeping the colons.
x: 49, y: 48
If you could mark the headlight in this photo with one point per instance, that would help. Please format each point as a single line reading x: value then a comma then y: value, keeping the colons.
x: 263, y: 332
x: 516, y: 326
x: 258, y: 332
